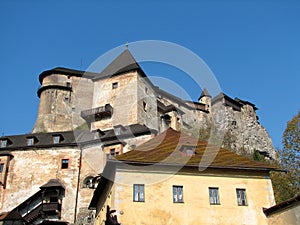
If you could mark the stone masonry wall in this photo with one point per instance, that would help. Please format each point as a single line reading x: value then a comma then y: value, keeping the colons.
x: 30, y: 169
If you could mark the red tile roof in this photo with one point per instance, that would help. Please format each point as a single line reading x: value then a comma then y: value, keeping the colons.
x: 165, y: 149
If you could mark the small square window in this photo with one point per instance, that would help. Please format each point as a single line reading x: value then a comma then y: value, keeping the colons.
x: 241, y: 197
x: 214, y: 196
x: 112, y: 154
x: 138, y: 192
x: 178, y: 194
x: 187, y: 150
x: 115, y: 85
x: 118, y: 131
x: 30, y: 141
x: 56, y: 139
x: 65, y: 163
x: 3, y: 143
x: 1, y: 167
x: 68, y: 84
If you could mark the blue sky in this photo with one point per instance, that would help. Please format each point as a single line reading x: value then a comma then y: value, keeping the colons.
x: 252, y: 47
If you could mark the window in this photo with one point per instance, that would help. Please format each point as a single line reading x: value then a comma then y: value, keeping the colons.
x: 138, y: 192
x: 145, y: 106
x: 118, y: 131
x: 214, y: 196
x: 241, y: 196
x: 88, y: 182
x: 68, y: 84
x: 178, y: 194
x: 112, y: 154
x: 1, y: 167
x: 65, y: 163
x: 54, y: 199
x: 30, y: 141
x: 56, y: 139
x: 3, y: 143
x: 187, y: 150
x: 115, y: 85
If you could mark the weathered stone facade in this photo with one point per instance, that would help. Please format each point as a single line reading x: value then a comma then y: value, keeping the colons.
x: 109, y: 114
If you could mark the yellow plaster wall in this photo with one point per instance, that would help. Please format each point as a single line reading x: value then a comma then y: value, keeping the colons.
x: 159, y: 208
x: 288, y: 216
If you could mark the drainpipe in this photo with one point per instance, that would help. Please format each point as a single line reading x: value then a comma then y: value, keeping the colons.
x: 78, y: 183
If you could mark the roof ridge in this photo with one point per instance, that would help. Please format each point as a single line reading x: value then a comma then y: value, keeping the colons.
x: 124, y: 62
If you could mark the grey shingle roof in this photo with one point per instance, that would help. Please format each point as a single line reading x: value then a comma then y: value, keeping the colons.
x: 66, y: 71
x: 204, y: 93
x: 123, y: 63
x: 53, y: 183
x: 70, y: 138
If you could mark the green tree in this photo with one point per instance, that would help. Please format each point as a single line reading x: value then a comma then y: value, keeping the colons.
x: 287, y: 185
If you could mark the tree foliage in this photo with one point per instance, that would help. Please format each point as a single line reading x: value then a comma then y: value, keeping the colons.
x: 287, y: 185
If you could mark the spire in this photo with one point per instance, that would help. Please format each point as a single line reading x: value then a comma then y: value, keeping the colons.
x: 204, y: 93
x: 123, y: 63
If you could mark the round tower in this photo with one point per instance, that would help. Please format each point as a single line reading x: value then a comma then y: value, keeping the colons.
x: 205, y: 98
x: 59, y: 108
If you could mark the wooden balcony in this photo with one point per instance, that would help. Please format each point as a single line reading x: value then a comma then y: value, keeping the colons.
x: 98, y: 113
x: 51, y: 207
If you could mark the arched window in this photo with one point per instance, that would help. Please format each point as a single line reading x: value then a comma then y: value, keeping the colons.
x: 91, y: 182
x: 88, y: 182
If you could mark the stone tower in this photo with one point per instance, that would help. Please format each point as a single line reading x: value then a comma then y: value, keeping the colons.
x: 205, y: 98
x: 63, y: 94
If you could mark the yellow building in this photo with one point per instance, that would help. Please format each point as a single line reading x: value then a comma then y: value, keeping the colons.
x: 287, y: 212
x: 177, y: 179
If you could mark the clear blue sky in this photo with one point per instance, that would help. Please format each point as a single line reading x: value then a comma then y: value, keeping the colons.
x: 253, y: 48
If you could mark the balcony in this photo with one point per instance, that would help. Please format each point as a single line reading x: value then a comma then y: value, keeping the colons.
x: 97, y: 114
x: 51, y: 207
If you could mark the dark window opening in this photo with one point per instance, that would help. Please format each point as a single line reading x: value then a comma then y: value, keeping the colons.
x: 112, y: 154
x: 145, y: 106
x: 1, y: 167
x: 65, y: 163
x: 53, y: 199
x: 115, y: 85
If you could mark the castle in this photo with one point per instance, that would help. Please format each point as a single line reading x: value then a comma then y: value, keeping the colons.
x: 85, y: 119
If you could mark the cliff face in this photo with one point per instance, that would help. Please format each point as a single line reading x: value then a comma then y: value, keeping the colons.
x: 243, y: 132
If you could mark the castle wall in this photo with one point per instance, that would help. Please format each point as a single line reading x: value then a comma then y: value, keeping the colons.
x: 62, y: 99
x: 122, y: 97
x: 146, y: 105
x: 30, y: 169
